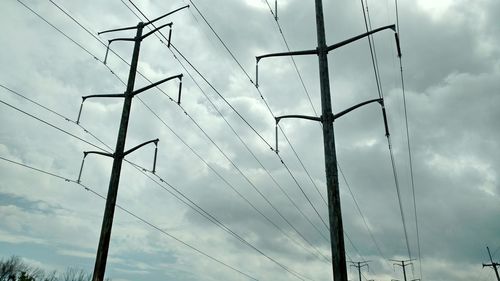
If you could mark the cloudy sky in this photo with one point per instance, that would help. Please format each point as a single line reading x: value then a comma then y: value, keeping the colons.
x: 214, y: 148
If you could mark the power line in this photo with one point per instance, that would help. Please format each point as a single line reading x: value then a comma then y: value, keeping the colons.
x: 258, y: 191
x: 214, y: 220
x: 367, y: 21
x: 232, y: 187
x: 410, y: 158
x: 51, y: 125
x: 232, y: 55
x: 89, y: 32
x: 275, y: 16
x: 56, y: 113
x: 361, y: 213
x: 133, y: 215
x: 198, y: 209
x: 372, y: 50
x: 396, y: 181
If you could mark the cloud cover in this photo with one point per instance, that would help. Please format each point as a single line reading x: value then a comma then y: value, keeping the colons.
x: 451, y: 73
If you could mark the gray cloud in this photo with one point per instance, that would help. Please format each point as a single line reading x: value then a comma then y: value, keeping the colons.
x: 451, y: 69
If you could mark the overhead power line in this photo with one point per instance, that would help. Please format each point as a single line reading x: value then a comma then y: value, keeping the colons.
x: 410, y: 158
x: 177, y: 193
x: 232, y: 187
x: 211, y: 257
x: 299, y: 75
x: 380, y: 91
x: 278, y: 212
x: 281, y: 160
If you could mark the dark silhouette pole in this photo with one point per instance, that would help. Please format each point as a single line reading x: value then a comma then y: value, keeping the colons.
x: 493, y: 264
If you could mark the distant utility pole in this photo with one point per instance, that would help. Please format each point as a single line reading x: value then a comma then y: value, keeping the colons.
x: 493, y: 264
x: 120, y: 153
x: 359, y: 265
x: 404, y: 264
x: 327, y: 118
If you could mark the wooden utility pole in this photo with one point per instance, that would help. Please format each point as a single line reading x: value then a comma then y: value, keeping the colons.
x: 493, y: 264
x: 359, y: 265
x: 404, y: 264
x: 332, y: 177
x: 107, y: 222
x: 327, y: 118
x: 120, y: 153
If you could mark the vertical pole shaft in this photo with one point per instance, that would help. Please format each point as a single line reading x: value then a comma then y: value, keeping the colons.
x: 334, y: 210
x: 404, y: 270
x: 493, y: 264
x: 359, y: 270
x: 107, y: 222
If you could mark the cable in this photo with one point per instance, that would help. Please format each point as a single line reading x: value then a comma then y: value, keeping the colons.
x: 118, y: 77
x: 218, y: 93
x: 57, y: 114
x: 220, y: 150
x: 51, y: 125
x: 396, y: 181
x: 361, y: 214
x: 246, y: 73
x: 373, y: 51
x: 198, y: 209
x: 84, y: 48
x: 232, y: 55
x: 213, y: 219
x: 133, y: 215
x: 367, y: 21
x: 291, y: 57
x: 171, y: 100
x: 410, y: 158
x: 157, y: 116
x: 234, y: 189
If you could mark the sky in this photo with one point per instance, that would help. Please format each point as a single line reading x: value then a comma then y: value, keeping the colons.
x: 222, y: 204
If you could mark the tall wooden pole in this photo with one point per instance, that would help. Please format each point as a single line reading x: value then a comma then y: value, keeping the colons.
x: 107, y: 222
x: 332, y: 179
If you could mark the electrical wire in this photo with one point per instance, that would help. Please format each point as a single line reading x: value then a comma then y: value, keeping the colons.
x: 191, y: 204
x: 410, y: 158
x: 280, y: 29
x: 234, y: 189
x: 75, y: 42
x: 361, y: 214
x: 51, y: 125
x: 94, y: 56
x: 234, y: 58
x: 396, y: 181
x: 218, y: 93
x: 367, y: 22
x: 133, y: 215
x: 372, y: 50
x: 258, y: 191
x: 57, y: 114
x: 188, y: 202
